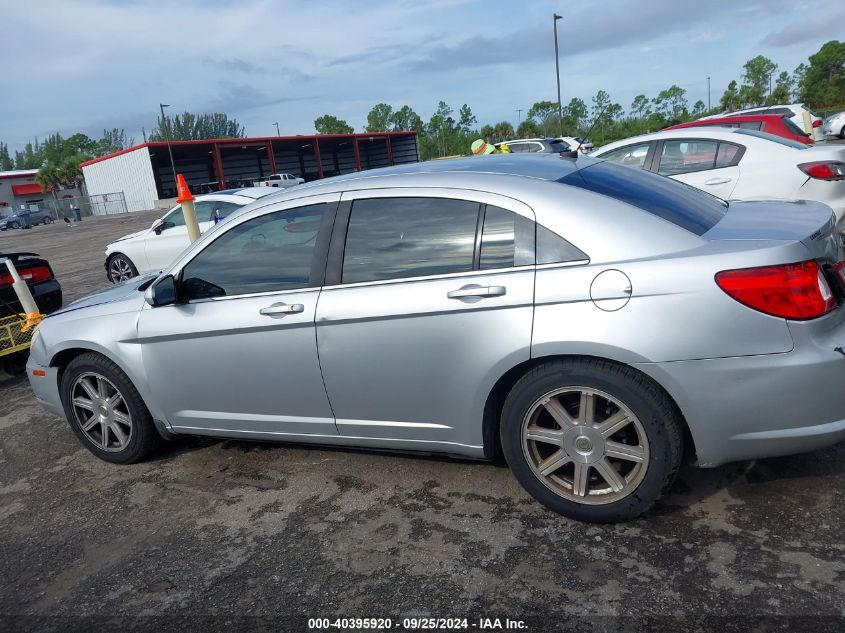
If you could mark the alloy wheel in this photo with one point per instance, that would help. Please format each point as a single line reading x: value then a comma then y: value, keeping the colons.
x: 585, y: 445
x: 119, y: 270
x: 101, y: 412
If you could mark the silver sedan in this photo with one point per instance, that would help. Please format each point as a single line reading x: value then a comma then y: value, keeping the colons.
x: 592, y: 322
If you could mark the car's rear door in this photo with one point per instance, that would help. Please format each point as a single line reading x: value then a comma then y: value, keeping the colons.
x: 706, y: 164
x: 428, y: 300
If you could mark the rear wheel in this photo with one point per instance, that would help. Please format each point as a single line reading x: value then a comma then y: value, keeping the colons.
x: 590, y: 439
x: 15, y: 225
x: 106, y: 412
x: 120, y: 268
x: 842, y: 132
x: 47, y: 220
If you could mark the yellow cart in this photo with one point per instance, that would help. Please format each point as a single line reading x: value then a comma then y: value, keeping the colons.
x: 14, y: 343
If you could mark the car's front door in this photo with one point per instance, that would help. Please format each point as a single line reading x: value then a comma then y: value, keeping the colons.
x: 426, y: 304
x: 705, y: 164
x: 237, y: 353
x: 162, y: 245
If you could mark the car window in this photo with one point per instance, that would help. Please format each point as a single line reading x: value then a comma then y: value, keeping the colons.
x: 518, y: 147
x: 682, y: 157
x: 630, y: 155
x: 507, y: 239
x: 552, y: 248
x: 560, y: 146
x: 727, y: 154
x: 533, y: 147
x: 269, y: 253
x: 751, y: 125
x: 669, y: 199
x: 174, y: 218
x: 792, y: 127
x: 224, y: 209
x: 391, y: 238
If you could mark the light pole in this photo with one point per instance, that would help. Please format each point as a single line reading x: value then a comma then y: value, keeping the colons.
x: 708, y: 94
x: 277, y: 129
x: 557, y: 70
x: 164, y: 126
x: 518, y: 116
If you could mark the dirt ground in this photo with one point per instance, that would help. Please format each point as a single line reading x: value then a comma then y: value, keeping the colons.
x: 236, y: 535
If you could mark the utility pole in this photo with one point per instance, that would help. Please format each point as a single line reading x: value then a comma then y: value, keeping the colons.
x: 557, y: 71
x: 518, y: 116
x: 708, y: 94
x: 164, y: 126
x: 277, y: 129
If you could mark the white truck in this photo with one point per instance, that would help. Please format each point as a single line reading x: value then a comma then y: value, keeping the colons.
x: 282, y: 180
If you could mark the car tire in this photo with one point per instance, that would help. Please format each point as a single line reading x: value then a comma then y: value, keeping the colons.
x: 15, y: 225
x: 120, y: 268
x: 590, y: 439
x: 47, y: 220
x: 842, y: 133
x: 106, y: 412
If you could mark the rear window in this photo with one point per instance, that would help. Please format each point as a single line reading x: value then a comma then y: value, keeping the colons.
x: 792, y: 127
x: 674, y: 201
x: 775, y: 139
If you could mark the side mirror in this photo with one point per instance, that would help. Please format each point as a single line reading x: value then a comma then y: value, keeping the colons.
x: 157, y: 226
x: 162, y: 292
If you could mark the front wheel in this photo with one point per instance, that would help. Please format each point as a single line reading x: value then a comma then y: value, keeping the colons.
x: 47, y: 220
x: 106, y: 412
x: 15, y: 225
x: 592, y: 440
x: 120, y: 269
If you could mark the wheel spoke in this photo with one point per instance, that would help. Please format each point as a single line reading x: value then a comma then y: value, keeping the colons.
x: 115, y: 399
x: 579, y: 479
x: 553, y: 462
x: 121, y: 417
x: 587, y: 408
x: 101, y: 387
x: 90, y: 422
x: 609, y: 474
x: 104, y: 430
x: 624, y: 451
x: 560, y: 415
x: 614, y: 423
x: 118, y: 434
x: 92, y: 393
x: 547, y: 436
x: 83, y: 403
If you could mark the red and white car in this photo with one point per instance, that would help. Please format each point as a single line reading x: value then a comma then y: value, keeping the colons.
x: 777, y: 124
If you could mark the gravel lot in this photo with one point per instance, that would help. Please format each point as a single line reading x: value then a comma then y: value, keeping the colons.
x: 215, y: 531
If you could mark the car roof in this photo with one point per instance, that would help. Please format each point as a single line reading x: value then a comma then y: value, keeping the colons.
x: 246, y: 192
x: 704, y: 131
x: 738, y: 118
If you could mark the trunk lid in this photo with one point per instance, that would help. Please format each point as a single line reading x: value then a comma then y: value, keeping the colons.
x: 805, y: 221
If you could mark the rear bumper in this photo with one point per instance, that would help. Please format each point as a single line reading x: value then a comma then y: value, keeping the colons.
x: 751, y: 407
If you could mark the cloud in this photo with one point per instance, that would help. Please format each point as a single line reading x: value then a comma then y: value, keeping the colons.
x: 806, y: 31
x: 236, y: 65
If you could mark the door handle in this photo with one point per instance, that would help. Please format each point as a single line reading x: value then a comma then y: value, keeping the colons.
x: 474, y: 290
x: 282, y: 308
x: 717, y: 181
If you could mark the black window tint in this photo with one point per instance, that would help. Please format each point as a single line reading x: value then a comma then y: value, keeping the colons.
x: 390, y: 238
x: 269, y: 253
x: 682, y: 157
x: 793, y: 128
x: 726, y: 155
x: 669, y: 199
x: 507, y: 239
x: 751, y: 125
x: 560, y: 146
x: 552, y: 248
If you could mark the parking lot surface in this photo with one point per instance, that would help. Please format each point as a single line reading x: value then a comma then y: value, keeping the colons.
x: 213, y: 530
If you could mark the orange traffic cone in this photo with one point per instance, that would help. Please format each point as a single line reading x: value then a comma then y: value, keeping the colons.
x: 186, y: 199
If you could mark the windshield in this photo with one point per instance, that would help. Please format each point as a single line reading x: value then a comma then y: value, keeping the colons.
x: 674, y: 201
x: 775, y: 139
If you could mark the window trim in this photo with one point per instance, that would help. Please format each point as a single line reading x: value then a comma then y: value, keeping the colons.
x: 337, y: 247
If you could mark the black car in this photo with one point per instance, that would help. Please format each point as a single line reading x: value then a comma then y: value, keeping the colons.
x: 44, y: 287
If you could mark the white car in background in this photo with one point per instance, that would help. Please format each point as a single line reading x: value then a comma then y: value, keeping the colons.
x: 582, y: 145
x: 152, y: 249
x: 739, y: 164
x: 798, y: 113
x: 282, y: 181
x: 834, y: 125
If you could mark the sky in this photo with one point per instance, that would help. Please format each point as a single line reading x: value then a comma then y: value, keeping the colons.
x: 86, y: 65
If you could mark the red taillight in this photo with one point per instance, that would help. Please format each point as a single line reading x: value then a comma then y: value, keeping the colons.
x: 29, y: 275
x: 817, y: 123
x: 792, y: 291
x: 824, y: 169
